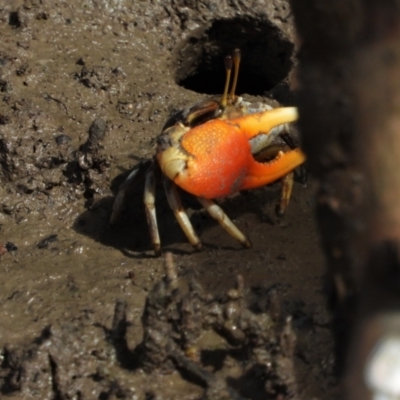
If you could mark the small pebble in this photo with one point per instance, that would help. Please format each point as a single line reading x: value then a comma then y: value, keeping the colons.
x: 97, y: 130
x: 43, y: 244
x: 62, y: 139
x: 11, y: 247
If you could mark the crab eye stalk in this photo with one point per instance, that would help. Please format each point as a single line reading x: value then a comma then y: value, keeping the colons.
x: 236, y: 62
x: 228, y: 67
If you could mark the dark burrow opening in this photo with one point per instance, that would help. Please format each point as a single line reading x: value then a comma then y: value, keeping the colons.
x: 267, y: 57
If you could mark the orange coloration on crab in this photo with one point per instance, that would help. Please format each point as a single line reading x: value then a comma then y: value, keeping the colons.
x: 214, y: 149
x: 218, y: 160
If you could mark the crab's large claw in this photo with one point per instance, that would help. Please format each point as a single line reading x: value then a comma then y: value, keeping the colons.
x: 215, y: 160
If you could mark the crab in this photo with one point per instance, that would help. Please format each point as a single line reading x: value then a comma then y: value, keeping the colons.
x: 213, y: 149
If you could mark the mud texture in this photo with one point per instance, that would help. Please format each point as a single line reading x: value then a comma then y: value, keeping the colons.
x: 85, y: 87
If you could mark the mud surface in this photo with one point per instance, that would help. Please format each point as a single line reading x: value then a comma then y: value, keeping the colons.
x: 85, y: 87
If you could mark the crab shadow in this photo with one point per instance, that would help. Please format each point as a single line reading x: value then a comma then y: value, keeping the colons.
x: 130, y: 234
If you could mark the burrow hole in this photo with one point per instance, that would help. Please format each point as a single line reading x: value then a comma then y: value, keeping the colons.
x: 266, y: 57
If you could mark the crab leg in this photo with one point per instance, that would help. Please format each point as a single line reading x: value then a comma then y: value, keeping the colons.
x: 287, y: 186
x: 175, y: 203
x: 216, y: 212
x: 149, y: 204
x: 128, y: 184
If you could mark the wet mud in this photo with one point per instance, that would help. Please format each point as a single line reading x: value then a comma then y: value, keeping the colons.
x: 85, y: 88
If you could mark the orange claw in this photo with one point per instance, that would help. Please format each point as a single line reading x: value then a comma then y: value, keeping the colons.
x: 218, y: 157
x: 260, y: 174
x: 219, y: 160
x: 262, y: 122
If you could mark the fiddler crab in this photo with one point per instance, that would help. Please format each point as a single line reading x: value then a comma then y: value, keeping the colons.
x: 213, y: 149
